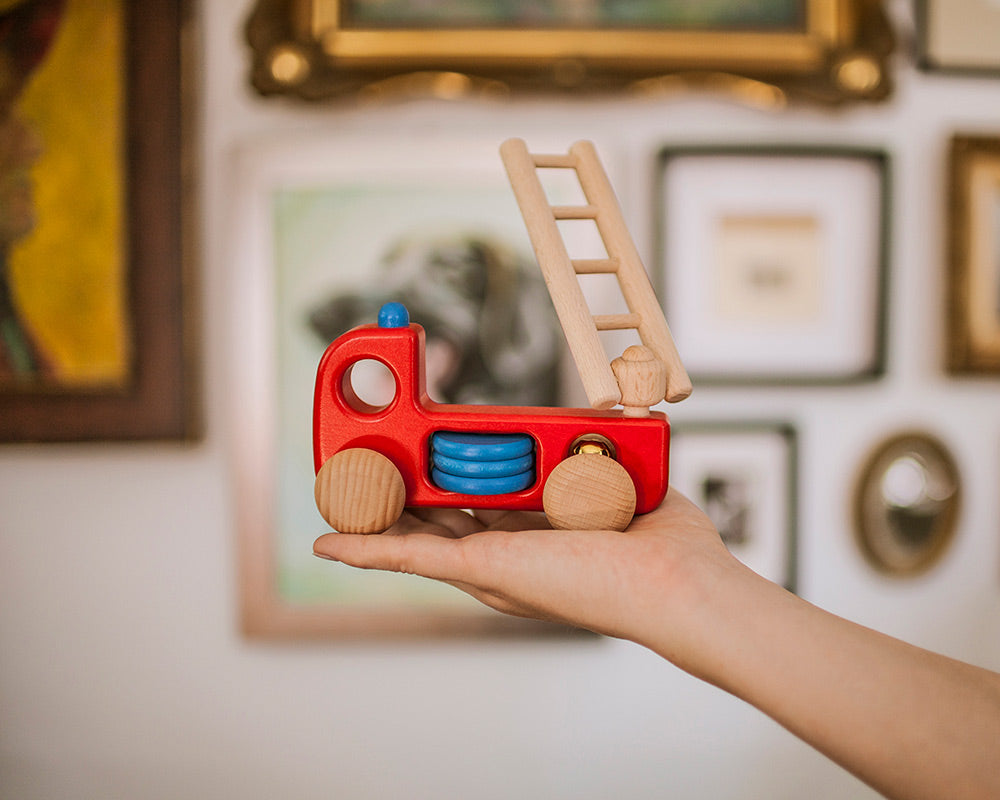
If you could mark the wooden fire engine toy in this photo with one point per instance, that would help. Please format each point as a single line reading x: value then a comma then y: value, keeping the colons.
x: 587, y: 469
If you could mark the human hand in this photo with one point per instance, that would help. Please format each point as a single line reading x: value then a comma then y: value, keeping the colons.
x: 623, y: 584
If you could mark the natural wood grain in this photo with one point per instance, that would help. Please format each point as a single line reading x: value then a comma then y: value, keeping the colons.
x: 632, y: 275
x: 560, y: 271
x: 359, y: 491
x: 642, y: 378
x: 589, y: 492
x: 560, y: 276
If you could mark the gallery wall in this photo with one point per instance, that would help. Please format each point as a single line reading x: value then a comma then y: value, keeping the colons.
x: 125, y: 672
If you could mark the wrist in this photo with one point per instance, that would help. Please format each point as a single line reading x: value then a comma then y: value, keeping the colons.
x: 705, y: 610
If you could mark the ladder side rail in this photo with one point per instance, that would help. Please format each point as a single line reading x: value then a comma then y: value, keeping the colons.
x: 560, y: 277
x: 632, y: 276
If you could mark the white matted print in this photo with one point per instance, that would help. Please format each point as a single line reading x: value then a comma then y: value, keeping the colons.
x: 325, y: 231
x: 772, y: 263
x: 743, y: 477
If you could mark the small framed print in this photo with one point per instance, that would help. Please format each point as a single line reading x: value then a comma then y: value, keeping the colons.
x: 959, y: 35
x: 743, y: 475
x: 974, y: 255
x: 772, y: 262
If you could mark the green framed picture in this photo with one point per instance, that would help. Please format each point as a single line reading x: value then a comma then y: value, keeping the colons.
x: 328, y: 231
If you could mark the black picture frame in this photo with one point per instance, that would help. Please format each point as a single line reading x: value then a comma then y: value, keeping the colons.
x: 744, y: 474
x: 843, y: 353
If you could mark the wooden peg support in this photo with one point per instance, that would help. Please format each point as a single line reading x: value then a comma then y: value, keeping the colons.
x: 642, y: 377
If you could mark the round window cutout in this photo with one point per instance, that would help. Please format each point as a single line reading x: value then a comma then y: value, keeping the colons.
x: 369, y: 386
x: 906, y: 504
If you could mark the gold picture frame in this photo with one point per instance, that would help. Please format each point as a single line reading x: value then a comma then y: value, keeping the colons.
x: 906, y: 504
x: 974, y: 255
x: 827, y: 51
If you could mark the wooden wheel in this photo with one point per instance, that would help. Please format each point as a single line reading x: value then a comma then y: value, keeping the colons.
x: 589, y: 492
x: 359, y: 491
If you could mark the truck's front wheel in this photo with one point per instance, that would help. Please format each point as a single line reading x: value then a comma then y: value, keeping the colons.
x: 359, y: 491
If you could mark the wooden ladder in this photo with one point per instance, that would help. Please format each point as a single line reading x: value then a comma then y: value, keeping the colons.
x: 560, y: 271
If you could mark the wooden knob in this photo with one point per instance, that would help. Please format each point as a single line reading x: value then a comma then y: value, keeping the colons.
x: 589, y: 492
x: 642, y: 378
x: 359, y: 491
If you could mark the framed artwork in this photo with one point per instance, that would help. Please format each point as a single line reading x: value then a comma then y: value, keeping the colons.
x: 959, y: 35
x: 744, y: 476
x: 94, y: 305
x: 974, y: 255
x: 830, y: 51
x: 772, y: 262
x: 326, y: 232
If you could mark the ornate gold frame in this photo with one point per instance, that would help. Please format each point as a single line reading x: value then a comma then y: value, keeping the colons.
x: 973, y: 344
x: 928, y: 502
x: 306, y: 48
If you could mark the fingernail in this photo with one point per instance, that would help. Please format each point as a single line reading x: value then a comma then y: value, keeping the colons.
x: 324, y: 556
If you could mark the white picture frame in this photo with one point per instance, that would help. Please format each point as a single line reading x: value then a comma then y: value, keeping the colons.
x: 958, y: 36
x: 772, y: 262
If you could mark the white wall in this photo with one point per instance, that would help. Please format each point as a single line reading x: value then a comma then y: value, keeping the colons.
x: 121, y: 670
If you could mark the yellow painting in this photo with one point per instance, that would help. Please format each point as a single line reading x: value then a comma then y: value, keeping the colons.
x: 65, y: 273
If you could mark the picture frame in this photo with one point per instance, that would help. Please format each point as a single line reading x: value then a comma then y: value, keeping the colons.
x: 907, y: 502
x: 772, y: 261
x: 325, y: 230
x: 826, y: 51
x: 958, y: 36
x: 973, y: 257
x: 744, y: 475
x: 139, y: 285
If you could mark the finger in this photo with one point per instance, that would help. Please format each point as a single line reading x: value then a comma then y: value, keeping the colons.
x: 409, y: 522
x: 421, y: 553
x: 506, y: 520
x: 455, y: 522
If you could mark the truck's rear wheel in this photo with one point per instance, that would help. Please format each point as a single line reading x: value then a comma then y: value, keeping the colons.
x: 359, y: 491
x: 589, y: 492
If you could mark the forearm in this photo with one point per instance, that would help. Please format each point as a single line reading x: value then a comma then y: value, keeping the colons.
x: 910, y: 723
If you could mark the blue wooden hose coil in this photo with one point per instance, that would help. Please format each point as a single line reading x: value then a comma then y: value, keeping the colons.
x: 482, y: 463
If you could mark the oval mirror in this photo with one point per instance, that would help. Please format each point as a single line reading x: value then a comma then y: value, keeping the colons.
x: 906, y: 504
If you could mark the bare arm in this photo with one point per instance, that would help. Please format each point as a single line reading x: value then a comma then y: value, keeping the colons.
x: 910, y: 723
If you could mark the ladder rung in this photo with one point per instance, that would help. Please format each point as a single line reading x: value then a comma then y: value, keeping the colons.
x: 574, y: 212
x: 595, y: 266
x: 616, y: 322
x: 555, y: 161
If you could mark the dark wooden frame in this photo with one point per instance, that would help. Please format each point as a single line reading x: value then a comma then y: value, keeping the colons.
x: 159, y: 401
x: 310, y: 49
x: 877, y: 368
